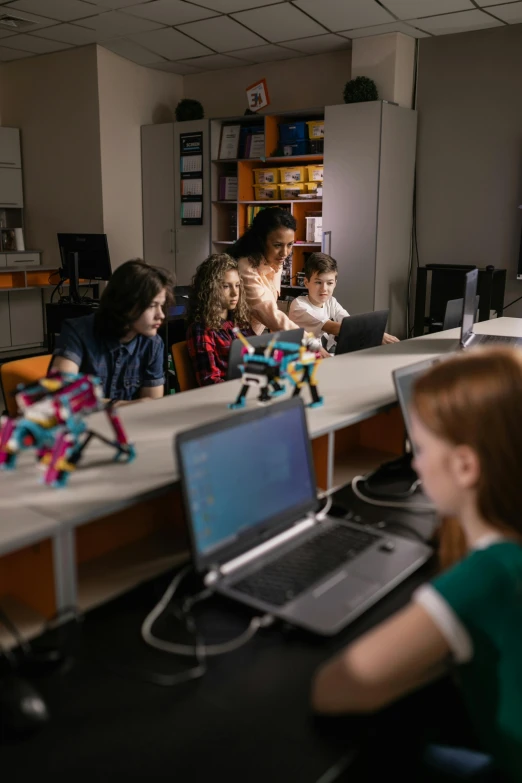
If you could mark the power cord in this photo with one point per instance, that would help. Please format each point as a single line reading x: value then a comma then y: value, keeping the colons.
x: 182, y: 649
x: 421, y: 508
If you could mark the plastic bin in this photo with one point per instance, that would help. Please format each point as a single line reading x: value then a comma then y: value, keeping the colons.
x: 266, y: 176
x: 311, y: 187
x: 293, y: 174
x: 316, y: 146
x: 292, y: 131
x: 267, y: 192
x: 315, y: 173
x: 295, y: 147
x: 292, y: 189
x: 315, y: 129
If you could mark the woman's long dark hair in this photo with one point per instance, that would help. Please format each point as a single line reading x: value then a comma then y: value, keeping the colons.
x: 131, y: 289
x: 252, y: 244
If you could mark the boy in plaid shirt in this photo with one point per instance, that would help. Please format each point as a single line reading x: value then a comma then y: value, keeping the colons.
x: 217, y: 306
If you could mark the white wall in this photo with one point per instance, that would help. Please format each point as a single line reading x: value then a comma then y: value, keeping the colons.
x: 300, y: 83
x: 129, y: 96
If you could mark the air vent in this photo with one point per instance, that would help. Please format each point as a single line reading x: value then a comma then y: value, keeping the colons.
x: 15, y: 23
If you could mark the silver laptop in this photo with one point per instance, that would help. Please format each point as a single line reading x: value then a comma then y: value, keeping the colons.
x: 250, y: 498
x: 404, y: 379
x: 235, y: 355
x: 468, y: 338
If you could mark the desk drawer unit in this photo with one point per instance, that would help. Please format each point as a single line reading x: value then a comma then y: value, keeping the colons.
x: 21, y: 260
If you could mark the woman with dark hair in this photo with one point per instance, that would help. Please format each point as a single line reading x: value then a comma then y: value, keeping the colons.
x: 120, y: 342
x: 260, y: 253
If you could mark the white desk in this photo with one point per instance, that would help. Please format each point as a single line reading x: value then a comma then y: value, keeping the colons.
x: 355, y: 386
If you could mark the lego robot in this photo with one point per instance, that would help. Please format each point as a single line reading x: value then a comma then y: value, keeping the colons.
x: 52, y: 421
x: 267, y: 369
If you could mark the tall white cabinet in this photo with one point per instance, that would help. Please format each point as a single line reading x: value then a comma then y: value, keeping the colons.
x: 369, y: 166
x: 166, y: 242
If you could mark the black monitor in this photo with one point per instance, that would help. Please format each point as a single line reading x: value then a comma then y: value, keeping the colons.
x: 84, y: 256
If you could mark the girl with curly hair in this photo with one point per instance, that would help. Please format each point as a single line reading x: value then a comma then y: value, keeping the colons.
x: 217, y: 306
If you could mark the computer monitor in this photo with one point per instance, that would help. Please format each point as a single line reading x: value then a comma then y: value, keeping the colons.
x: 84, y: 256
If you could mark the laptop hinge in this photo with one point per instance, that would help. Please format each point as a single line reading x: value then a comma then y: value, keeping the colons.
x: 267, y: 546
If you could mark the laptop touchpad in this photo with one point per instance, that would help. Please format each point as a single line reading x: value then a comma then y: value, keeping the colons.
x: 351, y: 590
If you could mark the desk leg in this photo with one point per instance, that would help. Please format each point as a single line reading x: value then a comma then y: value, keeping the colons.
x: 65, y: 576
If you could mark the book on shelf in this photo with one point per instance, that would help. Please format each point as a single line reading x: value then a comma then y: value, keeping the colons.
x: 253, y: 210
x: 228, y: 149
x: 228, y: 188
x: 257, y: 146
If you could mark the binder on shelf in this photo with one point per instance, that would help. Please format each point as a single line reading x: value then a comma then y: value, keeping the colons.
x: 228, y: 148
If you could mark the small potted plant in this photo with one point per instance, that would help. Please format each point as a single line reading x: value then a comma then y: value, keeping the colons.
x: 360, y: 89
x: 188, y: 109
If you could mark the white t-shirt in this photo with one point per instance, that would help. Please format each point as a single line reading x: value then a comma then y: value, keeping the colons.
x: 312, y: 317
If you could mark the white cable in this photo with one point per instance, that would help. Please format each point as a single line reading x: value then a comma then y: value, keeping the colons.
x: 388, y: 503
x: 324, y: 511
x: 183, y: 649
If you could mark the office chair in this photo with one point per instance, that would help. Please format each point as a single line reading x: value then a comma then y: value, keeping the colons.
x: 183, y: 367
x: 21, y: 371
x: 453, y: 314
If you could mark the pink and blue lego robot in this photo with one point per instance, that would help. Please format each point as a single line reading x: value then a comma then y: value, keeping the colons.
x: 267, y: 367
x: 52, y: 421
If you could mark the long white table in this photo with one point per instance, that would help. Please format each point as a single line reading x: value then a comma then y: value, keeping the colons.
x: 355, y: 387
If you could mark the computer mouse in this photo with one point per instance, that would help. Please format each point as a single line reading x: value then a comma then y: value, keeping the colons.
x: 22, y: 708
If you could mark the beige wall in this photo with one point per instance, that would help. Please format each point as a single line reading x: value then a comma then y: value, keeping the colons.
x: 301, y: 83
x: 54, y: 101
x: 470, y: 151
x: 130, y: 96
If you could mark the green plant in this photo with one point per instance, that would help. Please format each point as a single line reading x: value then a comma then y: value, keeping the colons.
x: 360, y: 89
x: 188, y: 109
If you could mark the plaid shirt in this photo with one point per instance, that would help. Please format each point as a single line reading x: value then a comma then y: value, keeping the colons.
x: 122, y: 368
x: 208, y: 350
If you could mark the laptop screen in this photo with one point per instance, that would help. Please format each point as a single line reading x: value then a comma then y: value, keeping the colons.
x: 404, y: 380
x: 244, y: 478
x: 469, y: 307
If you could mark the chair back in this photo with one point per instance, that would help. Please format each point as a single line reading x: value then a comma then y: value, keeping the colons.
x: 183, y: 367
x: 21, y: 371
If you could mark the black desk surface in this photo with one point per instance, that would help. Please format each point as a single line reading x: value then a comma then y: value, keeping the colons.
x: 248, y: 720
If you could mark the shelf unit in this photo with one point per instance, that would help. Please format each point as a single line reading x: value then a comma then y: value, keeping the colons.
x: 229, y: 219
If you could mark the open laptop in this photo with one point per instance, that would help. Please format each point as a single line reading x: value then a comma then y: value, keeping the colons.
x: 250, y: 499
x: 235, y: 356
x: 404, y: 379
x: 361, y: 331
x: 468, y: 338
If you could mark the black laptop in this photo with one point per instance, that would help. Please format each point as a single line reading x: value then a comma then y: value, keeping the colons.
x: 361, y: 331
x: 235, y: 356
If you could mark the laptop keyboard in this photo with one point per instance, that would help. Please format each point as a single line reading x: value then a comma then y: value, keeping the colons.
x: 292, y: 573
x: 493, y: 338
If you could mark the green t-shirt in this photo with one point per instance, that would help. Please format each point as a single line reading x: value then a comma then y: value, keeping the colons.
x: 484, y: 593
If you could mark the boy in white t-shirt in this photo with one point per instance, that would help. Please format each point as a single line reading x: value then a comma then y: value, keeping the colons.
x: 320, y: 312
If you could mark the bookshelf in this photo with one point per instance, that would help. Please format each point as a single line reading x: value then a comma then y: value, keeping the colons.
x: 231, y: 218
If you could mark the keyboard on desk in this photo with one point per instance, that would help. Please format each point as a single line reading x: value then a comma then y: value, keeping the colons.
x: 292, y: 573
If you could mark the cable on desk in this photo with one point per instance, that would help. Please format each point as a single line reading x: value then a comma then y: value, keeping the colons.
x: 183, y: 649
x: 420, y: 508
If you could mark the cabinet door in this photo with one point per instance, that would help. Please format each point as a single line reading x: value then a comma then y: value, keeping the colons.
x: 157, y: 166
x: 10, y: 148
x: 11, y: 193
x: 350, y: 199
x: 192, y: 242
x: 5, y: 325
x: 26, y: 313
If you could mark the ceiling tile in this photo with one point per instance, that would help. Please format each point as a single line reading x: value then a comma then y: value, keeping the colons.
x: 170, y: 12
x: 60, y: 10
x: 214, y: 62
x: 114, y: 5
x: 171, y: 67
x: 171, y: 44
x: 276, y: 21
x: 71, y: 34
x: 222, y: 34
x: 461, y: 22
x: 318, y: 44
x: 30, y: 43
x: 488, y: 3
x: 133, y: 51
x: 415, y: 9
x: 12, y: 54
x: 510, y: 12
x: 265, y: 54
x: 114, y: 23
x: 231, y: 6
x: 382, y: 29
x: 41, y: 21
x: 6, y: 33
x: 345, y: 15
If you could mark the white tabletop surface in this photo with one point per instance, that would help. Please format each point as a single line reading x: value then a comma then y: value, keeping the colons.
x: 355, y: 386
